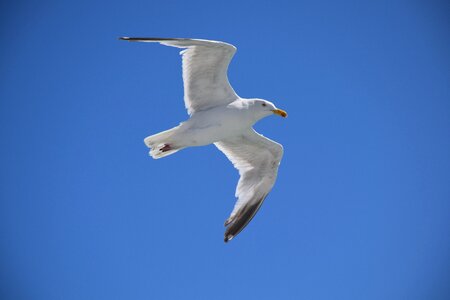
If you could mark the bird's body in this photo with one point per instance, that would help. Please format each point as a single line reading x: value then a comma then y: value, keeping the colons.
x: 218, y: 115
x: 212, y: 125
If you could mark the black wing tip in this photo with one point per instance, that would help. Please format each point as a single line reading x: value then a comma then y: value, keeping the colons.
x: 156, y: 39
x: 228, y: 238
x: 238, y: 223
x: 131, y: 39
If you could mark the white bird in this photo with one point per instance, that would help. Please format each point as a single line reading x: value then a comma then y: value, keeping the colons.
x: 218, y: 115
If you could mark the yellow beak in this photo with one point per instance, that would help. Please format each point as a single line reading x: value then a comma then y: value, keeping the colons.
x: 280, y: 112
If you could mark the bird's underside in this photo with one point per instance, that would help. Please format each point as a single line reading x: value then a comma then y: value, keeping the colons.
x: 206, y: 86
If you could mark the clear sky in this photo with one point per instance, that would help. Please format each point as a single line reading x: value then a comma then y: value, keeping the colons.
x: 361, y: 208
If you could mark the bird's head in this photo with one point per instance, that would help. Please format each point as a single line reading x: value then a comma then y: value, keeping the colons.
x: 264, y: 108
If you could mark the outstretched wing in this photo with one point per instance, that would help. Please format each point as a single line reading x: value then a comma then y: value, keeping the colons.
x: 205, y: 66
x: 257, y: 158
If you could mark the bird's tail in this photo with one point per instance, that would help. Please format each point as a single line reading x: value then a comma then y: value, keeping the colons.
x: 162, y: 144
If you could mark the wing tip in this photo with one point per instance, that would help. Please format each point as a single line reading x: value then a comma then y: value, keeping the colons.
x: 228, y: 238
x: 237, y: 223
x: 137, y: 39
x: 163, y: 40
x: 150, y: 39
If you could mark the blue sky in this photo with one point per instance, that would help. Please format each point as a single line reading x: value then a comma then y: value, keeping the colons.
x: 361, y: 208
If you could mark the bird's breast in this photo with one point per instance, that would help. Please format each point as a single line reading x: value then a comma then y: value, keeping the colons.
x: 214, y: 125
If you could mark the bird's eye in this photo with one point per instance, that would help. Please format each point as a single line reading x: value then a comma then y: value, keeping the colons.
x: 263, y: 104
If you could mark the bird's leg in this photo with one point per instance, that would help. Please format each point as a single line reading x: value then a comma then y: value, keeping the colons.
x: 165, y: 148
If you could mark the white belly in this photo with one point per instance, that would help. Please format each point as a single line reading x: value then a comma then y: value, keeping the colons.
x: 211, y: 126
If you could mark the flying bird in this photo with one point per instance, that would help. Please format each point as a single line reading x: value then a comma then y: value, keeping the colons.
x: 219, y: 116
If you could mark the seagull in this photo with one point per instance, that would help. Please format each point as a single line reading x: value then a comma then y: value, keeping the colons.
x: 219, y: 116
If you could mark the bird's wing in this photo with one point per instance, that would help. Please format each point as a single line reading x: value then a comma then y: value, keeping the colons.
x: 205, y: 65
x: 257, y: 158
